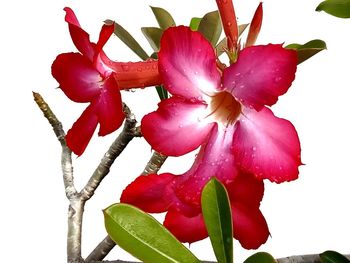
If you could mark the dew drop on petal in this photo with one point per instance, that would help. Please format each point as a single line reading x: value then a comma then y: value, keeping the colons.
x: 125, y: 67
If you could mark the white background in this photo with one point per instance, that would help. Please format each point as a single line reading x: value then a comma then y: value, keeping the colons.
x: 309, y: 215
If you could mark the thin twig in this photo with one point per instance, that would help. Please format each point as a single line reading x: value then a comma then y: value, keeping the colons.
x: 154, y: 164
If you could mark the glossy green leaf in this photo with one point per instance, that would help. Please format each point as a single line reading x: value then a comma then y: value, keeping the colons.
x: 194, y: 24
x: 308, y: 50
x: 338, y: 8
x: 210, y: 27
x: 162, y: 92
x: 164, y: 19
x: 143, y: 236
x: 220, y: 48
x: 153, y: 35
x: 333, y: 257
x: 128, y: 40
x: 260, y: 257
x: 217, y: 217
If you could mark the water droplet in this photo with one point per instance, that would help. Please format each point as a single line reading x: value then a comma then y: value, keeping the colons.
x: 237, y: 74
x: 280, y: 168
x: 278, y: 79
x: 125, y: 67
x: 154, y: 66
x: 229, y: 24
x: 254, y: 148
x: 196, y: 72
x: 139, y: 69
x: 226, y: 160
x: 241, y: 86
x: 181, y: 126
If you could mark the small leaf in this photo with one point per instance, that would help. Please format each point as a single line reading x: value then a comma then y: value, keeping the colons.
x: 333, y: 257
x: 153, y: 35
x: 217, y: 217
x: 128, y: 40
x: 308, y: 50
x: 194, y: 24
x: 144, y: 237
x: 210, y: 27
x: 165, y: 20
x: 338, y: 8
x: 261, y: 257
x: 220, y: 48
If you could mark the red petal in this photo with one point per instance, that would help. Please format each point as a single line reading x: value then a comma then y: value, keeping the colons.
x: 187, y: 63
x: 150, y: 193
x: 255, y: 26
x: 261, y: 74
x: 249, y: 226
x: 109, y: 107
x: 185, y: 229
x: 82, y: 130
x: 246, y: 189
x: 80, y: 38
x: 267, y: 146
x: 176, y: 127
x: 78, y: 79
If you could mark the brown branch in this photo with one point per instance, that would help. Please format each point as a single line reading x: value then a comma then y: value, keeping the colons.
x: 154, y: 164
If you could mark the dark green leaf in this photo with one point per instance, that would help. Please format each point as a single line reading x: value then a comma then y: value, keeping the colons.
x: 163, y: 17
x: 128, y: 40
x: 143, y: 236
x: 220, y: 48
x: 210, y: 27
x: 217, y: 217
x: 162, y: 92
x: 338, y: 8
x: 260, y: 257
x: 333, y: 257
x: 153, y: 35
x: 194, y: 24
x: 308, y: 50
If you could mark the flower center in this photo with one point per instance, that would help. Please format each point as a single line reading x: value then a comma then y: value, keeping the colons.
x: 224, y: 108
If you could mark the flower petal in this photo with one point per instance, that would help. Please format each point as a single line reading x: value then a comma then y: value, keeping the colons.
x: 185, y: 229
x: 150, y: 193
x: 176, y: 127
x: 267, y: 146
x: 249, y: 226
x: 109, y: 107
x: 79, y: 135
x: 76, y: 76
x: 187, y: 63
x: 80, y: 38
x: 261, y: 74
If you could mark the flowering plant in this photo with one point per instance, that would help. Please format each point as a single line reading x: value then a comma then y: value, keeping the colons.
x: 222, y: 109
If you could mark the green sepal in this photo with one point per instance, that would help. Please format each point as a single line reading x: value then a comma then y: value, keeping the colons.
x: 217, y: 217
x: 308, y: 49
x: 333, y: 257
x: 164, y: 18
x: 260, y: 257
x: 194, y: 24
x: 153, y: 35
x: 210, y: 27
x: 128, y: 40
x: 143, y: 236
x: 338, y: 8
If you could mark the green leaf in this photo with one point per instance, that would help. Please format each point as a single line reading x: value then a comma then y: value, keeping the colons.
x: 261, y: 257
x: 308, y: 49
x: 338, y: 8
x: 217, y: 217
x: 164, y: 19
x: 128, y: 40
x: 162, y: 92
x: 144, y: 237
x: 220, y: 48
x: 153, y: 35
x: 210, y: 27
x: 194, y: 24
x: 333, y: 257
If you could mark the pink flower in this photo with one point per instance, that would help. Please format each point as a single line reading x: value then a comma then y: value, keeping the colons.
x: 242, y: 141
x: 91, y: 77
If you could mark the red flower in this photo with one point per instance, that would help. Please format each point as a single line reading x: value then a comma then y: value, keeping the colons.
x: 90, y: 76
x: 242, y: 141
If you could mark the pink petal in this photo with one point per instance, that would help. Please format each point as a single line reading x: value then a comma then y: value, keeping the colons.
x: 80, y: 38
x: 185, y: 229
x: 82, y: 130
x: 261, y: 74
x: 109, y: 107
x: 187, y: 63
x: 78, y: 79
x: 176, y: 127
x: 267, y: 146
x: 214, y: 159
x: 150, y: 193
x: 249, y: 226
